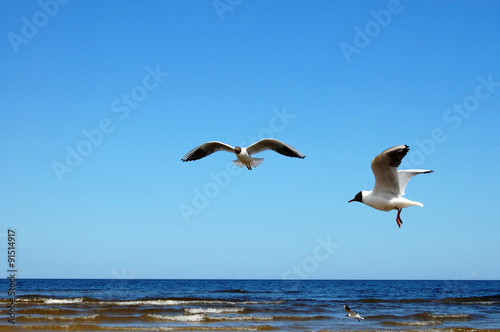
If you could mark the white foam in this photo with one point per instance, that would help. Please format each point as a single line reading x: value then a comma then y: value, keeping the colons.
x: 422, y: 323
x: 157, y: 302
x: 63, y: 301
x: 63, y: 317
x: 204, y: 317
x: 186, y: 302
x: 241, y: 318
x: 213, y: 310
x: 147, y: 302
x: 174, y: 328
x: 450, y: 316
x: 180, y: 318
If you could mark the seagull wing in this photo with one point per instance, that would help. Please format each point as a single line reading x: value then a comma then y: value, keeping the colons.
x: 347, y: 309
x: 275, y: 145
x: 207, y: 149
x: 384, y: 167
x: 405, y: 176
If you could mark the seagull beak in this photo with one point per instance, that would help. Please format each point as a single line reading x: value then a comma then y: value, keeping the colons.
x: 352, y: 200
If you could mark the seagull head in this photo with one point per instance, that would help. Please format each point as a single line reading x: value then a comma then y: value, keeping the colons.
x: 357, y: 198
x: 237, y: 150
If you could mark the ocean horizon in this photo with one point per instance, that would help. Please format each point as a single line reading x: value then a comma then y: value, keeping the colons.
x: 249, y: 305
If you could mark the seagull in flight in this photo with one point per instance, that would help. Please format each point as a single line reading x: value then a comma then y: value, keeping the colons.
x: 244, y: 155
x: 390, y: 183
x: 352, y: 314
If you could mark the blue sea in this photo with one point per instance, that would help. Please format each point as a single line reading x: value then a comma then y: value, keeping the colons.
x: 250, y: 305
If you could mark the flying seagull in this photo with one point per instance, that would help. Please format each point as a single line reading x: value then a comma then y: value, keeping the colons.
x: 352, y: 314
x: 244, y: 155
x: 390, y: 183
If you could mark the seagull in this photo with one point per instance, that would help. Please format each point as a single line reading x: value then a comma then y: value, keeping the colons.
x: 352, y: 314
x: 390, y: 183
x: 244, y: 155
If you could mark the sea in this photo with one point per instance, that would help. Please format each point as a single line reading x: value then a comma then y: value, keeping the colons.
x: 248, y: 305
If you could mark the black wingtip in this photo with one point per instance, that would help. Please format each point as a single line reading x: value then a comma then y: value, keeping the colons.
x: 397, y: 155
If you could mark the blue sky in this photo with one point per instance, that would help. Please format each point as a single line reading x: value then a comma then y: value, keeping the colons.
x: 101, y: 100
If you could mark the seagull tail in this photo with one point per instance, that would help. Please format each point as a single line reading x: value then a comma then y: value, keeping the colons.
x: 256, y: 162
x: 415, y: 203
x: 253, y: 163
x: 238, y: 163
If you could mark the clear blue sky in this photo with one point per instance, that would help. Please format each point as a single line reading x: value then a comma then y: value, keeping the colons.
x: 101, y: 100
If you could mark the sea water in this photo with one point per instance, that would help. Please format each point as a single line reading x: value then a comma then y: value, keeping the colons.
x: 250, y: 305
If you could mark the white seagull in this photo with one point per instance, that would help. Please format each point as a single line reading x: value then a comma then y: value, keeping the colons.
x: 390, y: 183
x: 352, y: 314
x: 244, y: 155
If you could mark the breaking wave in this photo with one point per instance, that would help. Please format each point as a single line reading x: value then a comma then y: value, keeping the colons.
x: 206, y: 317
x: 422, y: 319
x: 138, y: 302
x: 213, y: 310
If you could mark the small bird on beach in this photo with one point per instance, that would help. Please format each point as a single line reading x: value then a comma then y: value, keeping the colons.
x: 244, y: 155
x: 390, y: 183
x: 352, y: 314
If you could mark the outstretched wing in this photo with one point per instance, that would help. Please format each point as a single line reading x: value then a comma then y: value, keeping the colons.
x: 405, y: 176
x: 275, y: 145
x: 346, y: 308
x: 207, y: 149
x: 384, y: 167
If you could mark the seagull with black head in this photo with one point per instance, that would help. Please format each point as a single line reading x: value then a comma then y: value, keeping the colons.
x: 244, y: 155
x: 352, y: 314
x: 390, y: 183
